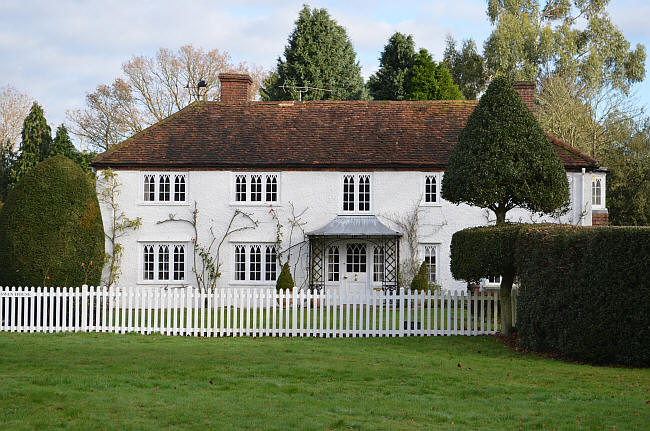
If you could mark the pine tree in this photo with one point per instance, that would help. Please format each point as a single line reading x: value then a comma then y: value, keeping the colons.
x: 64, y: 146
x: 36, y: 142
x: 319, y: 54
x: 430, y: 81
x: 395, y: 63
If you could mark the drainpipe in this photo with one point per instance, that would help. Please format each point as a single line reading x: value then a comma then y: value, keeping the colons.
x: 582, y: 196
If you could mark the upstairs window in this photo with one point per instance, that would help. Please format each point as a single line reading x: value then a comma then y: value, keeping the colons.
x: 263, y: 188
x: 431, y: 191
x: 356, y: 193
x: 158, y: 188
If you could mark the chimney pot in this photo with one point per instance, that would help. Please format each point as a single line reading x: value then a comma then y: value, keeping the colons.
x: 235, y: 87
x: 526, y: 90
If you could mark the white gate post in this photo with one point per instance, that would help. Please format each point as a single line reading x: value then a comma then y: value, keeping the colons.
x: 84, y: 307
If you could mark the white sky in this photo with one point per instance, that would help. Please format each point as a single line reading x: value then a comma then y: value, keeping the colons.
x: 57, y: 51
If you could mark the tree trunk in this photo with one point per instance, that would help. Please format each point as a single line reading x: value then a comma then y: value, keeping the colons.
x: 501, y: 216
x: 506, y: 303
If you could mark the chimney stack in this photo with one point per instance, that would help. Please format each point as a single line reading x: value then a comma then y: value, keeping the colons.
x: 526, y: 90
x: 235, y: 87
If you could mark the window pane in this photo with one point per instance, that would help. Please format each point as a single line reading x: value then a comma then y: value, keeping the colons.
x: 378, y: 264
x: 356, y: 258
x: 430, y: 259
x: 240, y: 262
x: 596, y: 192
x: 271, y: 268
x: 163, y: 262
x: 348, y: 193
x: 163, y: 188
x: 149, y: 188
x: 271, y: 188
x: 364, y: 193
x: 240, y: 188
x: 333, y: 264
x: 430, y: 189
x: 256, y: 188
x: 148, y: 263
x: 179, y: 262
x: 179, y: 188
x: 255, y: 263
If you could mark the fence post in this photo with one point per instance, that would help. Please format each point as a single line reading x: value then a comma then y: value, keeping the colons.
x: 84, y: 307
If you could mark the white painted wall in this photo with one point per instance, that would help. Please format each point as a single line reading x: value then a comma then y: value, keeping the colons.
x: 393, y: 194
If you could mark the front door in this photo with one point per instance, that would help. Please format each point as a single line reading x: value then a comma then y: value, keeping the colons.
x: 355, y: 269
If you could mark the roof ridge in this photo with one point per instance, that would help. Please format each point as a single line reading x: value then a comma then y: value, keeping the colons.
x: 561, y: 143
x: 142, y: 132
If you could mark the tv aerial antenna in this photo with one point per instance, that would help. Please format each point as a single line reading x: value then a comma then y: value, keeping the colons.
x: 301, y: 89
x: 199, y: 85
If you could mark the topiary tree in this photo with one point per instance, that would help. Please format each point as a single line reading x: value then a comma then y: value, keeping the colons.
x: 285, y: 280
x: 421, y: 280
x: 503, y: 161
x: 51, y: 228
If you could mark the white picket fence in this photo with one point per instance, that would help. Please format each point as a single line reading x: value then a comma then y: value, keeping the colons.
x: 247, y: 312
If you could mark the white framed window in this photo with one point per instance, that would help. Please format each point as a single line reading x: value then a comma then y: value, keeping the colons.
x: 356, y: 258
x: 431, y: 189
x: 257, y: 263
x: 598, y: 191
x: 256, y: 188
x: 357, y: 193
x: 165, y: 188
x: 431, y: 260
x: 163, y: 262
x: 333, y: 263
x: 378, y: 264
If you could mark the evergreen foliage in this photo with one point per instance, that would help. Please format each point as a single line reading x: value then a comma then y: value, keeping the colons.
x: 430, y: 81
x: 318, y: 54
x: 503, y: 160
x: 7, y: 160
x: 467, y: 67
x: 51, y: 228
x: 35, y: 144
x: 585, y: 293
x: 421, y: 281
x: 395, y: 63
x: 285, y: 280
x: 64, y: 146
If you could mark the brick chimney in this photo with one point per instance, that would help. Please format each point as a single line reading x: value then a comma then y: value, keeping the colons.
x: 526, y: 90
x: 235, y: 87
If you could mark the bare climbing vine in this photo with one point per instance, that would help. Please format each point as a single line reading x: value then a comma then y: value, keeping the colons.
x: 119, y: 224
x: 408, y: 223
x: 207, y: 261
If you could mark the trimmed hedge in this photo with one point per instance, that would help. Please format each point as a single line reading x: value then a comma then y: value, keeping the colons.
x: 421, y: 280
x: 482, y: 252
x: 51, y: 228
x: 285, y: 280
x: 585, y: 293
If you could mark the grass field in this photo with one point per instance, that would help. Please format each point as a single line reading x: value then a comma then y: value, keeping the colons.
x: 108, y: 381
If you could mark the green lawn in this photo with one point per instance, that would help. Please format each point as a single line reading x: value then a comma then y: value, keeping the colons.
x: 108, y: 381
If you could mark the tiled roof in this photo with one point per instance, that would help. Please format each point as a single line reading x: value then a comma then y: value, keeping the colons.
x: 307, y: 135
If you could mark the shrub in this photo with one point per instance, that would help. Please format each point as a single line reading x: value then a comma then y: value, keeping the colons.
x: 285, y: 281
x: 421, y: 280
x: 585, y: 293
x: 51, y: 228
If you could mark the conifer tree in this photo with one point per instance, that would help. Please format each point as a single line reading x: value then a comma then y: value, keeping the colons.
x: 395, y: 63
x: 35, y: 144
x: 430, y: 81
x: 318, y: 54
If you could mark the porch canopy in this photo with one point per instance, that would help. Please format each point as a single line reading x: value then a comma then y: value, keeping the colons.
x: 362, y: 227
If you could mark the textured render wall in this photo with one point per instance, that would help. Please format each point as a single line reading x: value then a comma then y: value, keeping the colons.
x: 393, y: 194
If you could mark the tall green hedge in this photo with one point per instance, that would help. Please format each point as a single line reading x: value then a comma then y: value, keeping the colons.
x: 585, y: 293
x: 51, y: 228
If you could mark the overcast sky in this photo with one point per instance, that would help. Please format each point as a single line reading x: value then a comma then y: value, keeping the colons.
x: 57, y: 51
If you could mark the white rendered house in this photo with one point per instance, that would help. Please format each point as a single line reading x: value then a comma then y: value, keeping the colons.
x: 343, y: 191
